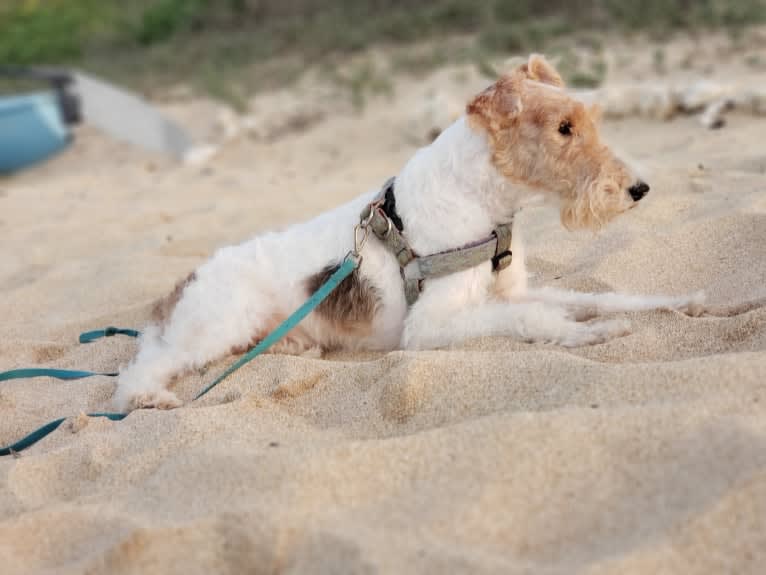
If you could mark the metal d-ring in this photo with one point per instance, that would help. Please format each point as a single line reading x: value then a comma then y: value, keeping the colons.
x: 388, y: 223
x: 361, y: 232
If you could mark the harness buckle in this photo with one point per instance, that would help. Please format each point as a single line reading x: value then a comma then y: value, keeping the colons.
x: 502, y: 260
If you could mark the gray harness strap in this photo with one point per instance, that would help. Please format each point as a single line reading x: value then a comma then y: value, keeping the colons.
x: 414, y: 269
x: 392, y: 238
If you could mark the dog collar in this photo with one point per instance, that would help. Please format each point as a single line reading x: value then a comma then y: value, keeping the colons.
x: 381, y: 217
x: 389, y: 204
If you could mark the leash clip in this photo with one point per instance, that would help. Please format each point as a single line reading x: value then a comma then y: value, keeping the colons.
x: 362, y: 229
x: 354, y: 257
x: 361, y: 233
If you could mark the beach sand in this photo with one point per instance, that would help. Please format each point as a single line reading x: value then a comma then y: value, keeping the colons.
x: 646, y: 454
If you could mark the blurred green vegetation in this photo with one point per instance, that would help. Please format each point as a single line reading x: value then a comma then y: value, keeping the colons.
x: 202, y: 40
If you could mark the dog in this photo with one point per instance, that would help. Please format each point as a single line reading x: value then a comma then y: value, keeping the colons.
x: 520, y: 139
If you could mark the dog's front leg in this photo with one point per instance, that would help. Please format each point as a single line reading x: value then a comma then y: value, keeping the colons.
x: 143, y: 383
x: 446, y: 315
x: 586, y: 305
x: 511, y: 285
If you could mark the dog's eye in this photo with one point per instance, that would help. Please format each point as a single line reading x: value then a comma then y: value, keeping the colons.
x: 565, y: 128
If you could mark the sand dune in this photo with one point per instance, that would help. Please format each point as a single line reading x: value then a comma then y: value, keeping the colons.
x: 643, y: 455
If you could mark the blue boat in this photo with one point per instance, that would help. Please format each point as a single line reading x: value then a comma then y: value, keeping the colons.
x: 32, y: 128
x: 35, y: 126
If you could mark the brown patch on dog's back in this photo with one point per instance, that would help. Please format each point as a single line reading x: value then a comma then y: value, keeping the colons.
x: 353, y: 304
x: 164, y: 307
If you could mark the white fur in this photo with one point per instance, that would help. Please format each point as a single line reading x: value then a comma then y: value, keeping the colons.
x: 448, y: 194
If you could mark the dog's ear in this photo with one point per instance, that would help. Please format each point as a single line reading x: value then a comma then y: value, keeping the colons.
x: 540, y: 70
x: 499, y: 104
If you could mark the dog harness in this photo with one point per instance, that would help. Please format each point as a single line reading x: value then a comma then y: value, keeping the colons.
x: 380, y: 216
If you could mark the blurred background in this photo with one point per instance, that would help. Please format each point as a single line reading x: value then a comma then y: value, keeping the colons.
x: 230, y: 48
x: 217, y: 70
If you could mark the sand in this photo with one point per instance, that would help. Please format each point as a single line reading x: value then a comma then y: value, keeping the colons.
x: 646, y: 454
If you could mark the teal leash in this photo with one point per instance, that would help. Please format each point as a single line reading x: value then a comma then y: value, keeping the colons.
x: 346, y: 269
x: 90, y: 336
x: 70, y: 374
x: 66, y: 375
x: 350, y: 263
x: 49, y: 428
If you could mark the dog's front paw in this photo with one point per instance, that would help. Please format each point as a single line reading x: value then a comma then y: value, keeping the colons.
x: 160, y: 399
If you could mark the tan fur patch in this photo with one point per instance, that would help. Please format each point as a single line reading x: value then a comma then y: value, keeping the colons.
x: 164, y: 307
x: 352, y: 306
x: 543, y: 139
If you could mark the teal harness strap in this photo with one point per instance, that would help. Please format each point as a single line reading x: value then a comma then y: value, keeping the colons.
x: 90, y: 336
x: 346, y: 269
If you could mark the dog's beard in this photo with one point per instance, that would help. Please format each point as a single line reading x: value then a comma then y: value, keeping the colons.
x: 593, y: 207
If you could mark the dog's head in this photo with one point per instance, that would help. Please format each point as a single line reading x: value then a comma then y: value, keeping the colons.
x: 545, y: 140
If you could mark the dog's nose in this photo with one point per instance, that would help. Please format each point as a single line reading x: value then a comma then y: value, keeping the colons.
x: 638, y: 190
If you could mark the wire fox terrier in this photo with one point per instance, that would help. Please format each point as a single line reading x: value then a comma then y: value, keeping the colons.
x: 521, y: 138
